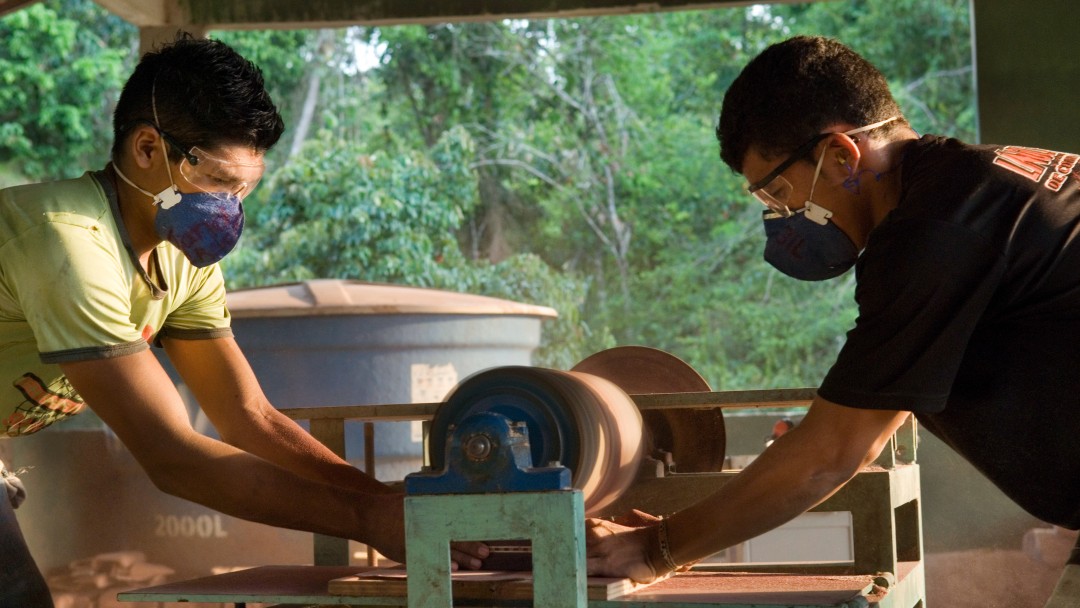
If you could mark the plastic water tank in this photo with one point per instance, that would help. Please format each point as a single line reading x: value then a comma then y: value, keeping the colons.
x: 335, y: 342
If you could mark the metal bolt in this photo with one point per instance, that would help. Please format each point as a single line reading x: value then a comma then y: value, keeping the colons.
x: 478, y: 447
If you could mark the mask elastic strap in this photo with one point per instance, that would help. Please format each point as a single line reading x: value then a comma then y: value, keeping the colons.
x: 866, y: 128
x: 814, y: 212
x: 168, y: 194
x: 166, y: 198
x: 132, y: 184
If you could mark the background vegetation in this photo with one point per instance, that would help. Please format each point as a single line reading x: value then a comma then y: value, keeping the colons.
x: 568, y: 163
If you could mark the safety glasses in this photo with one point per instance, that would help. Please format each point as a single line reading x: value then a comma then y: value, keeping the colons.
x: 220, y: 177
x: 773, y: 190
x: 215, y: 175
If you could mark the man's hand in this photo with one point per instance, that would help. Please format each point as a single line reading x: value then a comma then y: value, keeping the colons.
x: 619, y: 551
x: 799, y: 470
x: 627, y: 546
x: 468, y: 555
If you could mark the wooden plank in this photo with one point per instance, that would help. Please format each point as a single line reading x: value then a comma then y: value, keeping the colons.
x: 315, y: 585
x: 781, y: 398
x: 757, y: 588
x: 473, y: 585
x: 384, y: 413
x: 10, y: 6
x: 290, y: 14
x: 265, y: 584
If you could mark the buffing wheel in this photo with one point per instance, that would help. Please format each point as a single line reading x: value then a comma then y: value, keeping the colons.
x: 586, y: 423
x: 695, y: 438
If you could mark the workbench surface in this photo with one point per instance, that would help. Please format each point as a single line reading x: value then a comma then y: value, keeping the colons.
x: 308, y: 586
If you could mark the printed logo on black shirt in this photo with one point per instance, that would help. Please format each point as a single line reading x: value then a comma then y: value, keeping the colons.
x: 1037, y: 165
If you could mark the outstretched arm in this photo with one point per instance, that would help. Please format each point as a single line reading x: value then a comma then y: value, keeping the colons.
x: 799, y: 470
x: 221, y: 379
x: 267, y: 470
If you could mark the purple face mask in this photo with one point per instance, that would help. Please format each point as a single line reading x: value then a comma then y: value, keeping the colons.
x: 205, y: 227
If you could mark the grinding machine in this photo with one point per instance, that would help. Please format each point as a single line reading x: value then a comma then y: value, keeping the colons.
x: 518, y: 457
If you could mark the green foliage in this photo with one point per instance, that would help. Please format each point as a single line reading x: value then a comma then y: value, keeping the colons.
x: 62, y: 64
x: 567, y: 339
x: 594, y: 155
x: 925, y: 53
x: 566, y: 163
x: 344, y: 212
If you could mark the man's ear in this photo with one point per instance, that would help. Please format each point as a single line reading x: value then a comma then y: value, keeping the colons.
x: 145, y: 146
x: 842, y: 157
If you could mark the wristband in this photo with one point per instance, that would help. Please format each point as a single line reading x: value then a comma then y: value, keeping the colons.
x: 665, y: 546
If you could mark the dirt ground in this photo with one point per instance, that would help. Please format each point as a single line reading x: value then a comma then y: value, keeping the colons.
x: 995, y: 578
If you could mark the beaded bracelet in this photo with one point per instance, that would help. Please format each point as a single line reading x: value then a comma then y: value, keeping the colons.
x: 665, y: 546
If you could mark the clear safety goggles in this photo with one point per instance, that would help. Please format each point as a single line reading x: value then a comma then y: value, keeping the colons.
x: 213, y: 174
x: 774, y: 191
x: 218, y: 176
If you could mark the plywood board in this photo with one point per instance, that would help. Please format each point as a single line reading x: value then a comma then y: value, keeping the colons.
x: 757, y: 588
x: 473, y: 585
x: 277, y: 584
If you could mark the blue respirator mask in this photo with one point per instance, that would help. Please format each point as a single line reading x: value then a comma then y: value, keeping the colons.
x: 804, y: 248
x: 204, y: 226
x: 803, y: 243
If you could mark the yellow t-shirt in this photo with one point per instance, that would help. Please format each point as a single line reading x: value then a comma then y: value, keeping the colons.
x: 72, y: 290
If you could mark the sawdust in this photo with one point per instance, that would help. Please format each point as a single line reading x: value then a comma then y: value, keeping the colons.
x: 988, y: 578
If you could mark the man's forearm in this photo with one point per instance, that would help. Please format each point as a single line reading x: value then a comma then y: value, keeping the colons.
x: 281, y: 440
x: 135, y: 398
x: 779, y: 485
x: 228, y: 392
x: 798, y: 471
x: 241, y: 484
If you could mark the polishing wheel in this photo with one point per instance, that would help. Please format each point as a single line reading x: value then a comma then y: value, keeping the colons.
x: 695, y: 438
x: 581, y: 421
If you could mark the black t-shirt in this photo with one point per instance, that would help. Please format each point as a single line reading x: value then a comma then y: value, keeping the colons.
x: 969, y: 315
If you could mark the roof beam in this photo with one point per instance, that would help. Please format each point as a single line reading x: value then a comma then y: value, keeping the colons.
x: 145, y: 13
x: 290, y: 14
x: 10, y: 6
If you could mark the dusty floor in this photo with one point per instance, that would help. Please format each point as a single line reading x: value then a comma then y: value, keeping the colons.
x: 988, y: 578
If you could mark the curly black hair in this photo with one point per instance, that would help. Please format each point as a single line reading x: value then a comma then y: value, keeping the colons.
x: 206, y: 95
x: 795, y: 89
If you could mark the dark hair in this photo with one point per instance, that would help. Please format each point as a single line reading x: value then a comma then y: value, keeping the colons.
x: 206, y: 94
x: 795, y: 89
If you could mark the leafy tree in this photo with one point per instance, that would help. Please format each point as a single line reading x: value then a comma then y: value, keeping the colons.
x: 569, y: 163
x: 345, y: 212
x: 595, y: 152
x: 62, y: 64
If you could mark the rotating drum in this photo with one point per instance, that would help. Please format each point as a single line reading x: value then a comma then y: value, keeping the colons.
x: 584, y: 422
x: 695, y: 438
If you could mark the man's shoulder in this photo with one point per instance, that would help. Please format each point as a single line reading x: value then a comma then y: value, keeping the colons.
x: 25, y: 207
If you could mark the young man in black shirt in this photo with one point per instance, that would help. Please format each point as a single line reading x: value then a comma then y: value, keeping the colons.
x: 967, y: 260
